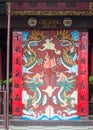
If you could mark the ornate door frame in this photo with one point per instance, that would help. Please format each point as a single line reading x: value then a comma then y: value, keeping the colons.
x: 82, y: 86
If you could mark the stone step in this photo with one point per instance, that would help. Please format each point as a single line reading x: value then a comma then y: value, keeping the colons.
x: 49, y: 128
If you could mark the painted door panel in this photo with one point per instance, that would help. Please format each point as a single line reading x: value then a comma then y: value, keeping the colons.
x: 49, y: 74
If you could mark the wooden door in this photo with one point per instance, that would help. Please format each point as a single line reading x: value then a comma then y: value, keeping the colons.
x: 49, y: 74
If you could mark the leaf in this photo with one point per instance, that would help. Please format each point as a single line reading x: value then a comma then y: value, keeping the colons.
x: 91, y: 80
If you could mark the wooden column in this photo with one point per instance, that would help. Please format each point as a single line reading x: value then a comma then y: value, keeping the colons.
x: 7, y: 61
x: 91, y: 61
x: 0, y: 63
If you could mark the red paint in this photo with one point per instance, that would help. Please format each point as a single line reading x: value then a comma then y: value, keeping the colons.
x: 17, y: 74
x: 56, y: 6
x: 52, y: 99
x: 82, y: 78
x: 83, y: 74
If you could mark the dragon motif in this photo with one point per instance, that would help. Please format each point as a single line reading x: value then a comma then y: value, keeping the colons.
x: 69, y: 57
x: 66, y: 85
x: 29, y: 55
x: 29, y: 58
x: 35, y: 37
x: 64, y: 38
x: 33, y: 85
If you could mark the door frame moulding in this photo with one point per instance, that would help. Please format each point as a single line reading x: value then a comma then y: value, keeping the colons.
x: 19, y: 122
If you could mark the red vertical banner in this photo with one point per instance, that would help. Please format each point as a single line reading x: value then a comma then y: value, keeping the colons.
x: 17, y: 74
x: 83, y: 74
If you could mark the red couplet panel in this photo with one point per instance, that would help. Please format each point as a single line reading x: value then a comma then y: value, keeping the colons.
x: 83, y: 74
x: 17, y: 73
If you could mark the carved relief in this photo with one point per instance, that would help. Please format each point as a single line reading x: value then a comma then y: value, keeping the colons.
x: 88, y: 11
x: 51, y: 13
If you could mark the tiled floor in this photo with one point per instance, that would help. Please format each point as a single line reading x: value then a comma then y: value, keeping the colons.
x: 50, y: 128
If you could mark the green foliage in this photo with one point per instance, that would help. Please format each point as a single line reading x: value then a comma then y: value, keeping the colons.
x: 0, y: 82
x: 91, y: 80
x: 3, y: 82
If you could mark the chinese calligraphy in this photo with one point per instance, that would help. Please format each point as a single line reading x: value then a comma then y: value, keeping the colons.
x: 83, y: 75
x: 17, y: 73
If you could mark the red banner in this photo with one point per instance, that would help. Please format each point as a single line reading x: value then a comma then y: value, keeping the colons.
x: 83, y: 74
x: 17, y: 74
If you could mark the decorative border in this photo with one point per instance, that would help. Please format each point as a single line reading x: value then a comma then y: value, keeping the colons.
x: 53, y: 13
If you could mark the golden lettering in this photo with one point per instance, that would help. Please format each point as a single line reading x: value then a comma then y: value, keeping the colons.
x: 49, y: 22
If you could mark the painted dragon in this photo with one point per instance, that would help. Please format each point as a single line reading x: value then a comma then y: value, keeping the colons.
x: 69, y: 56
x: 29, y: 55
x: 33, y: 85
x: 66, y: 85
